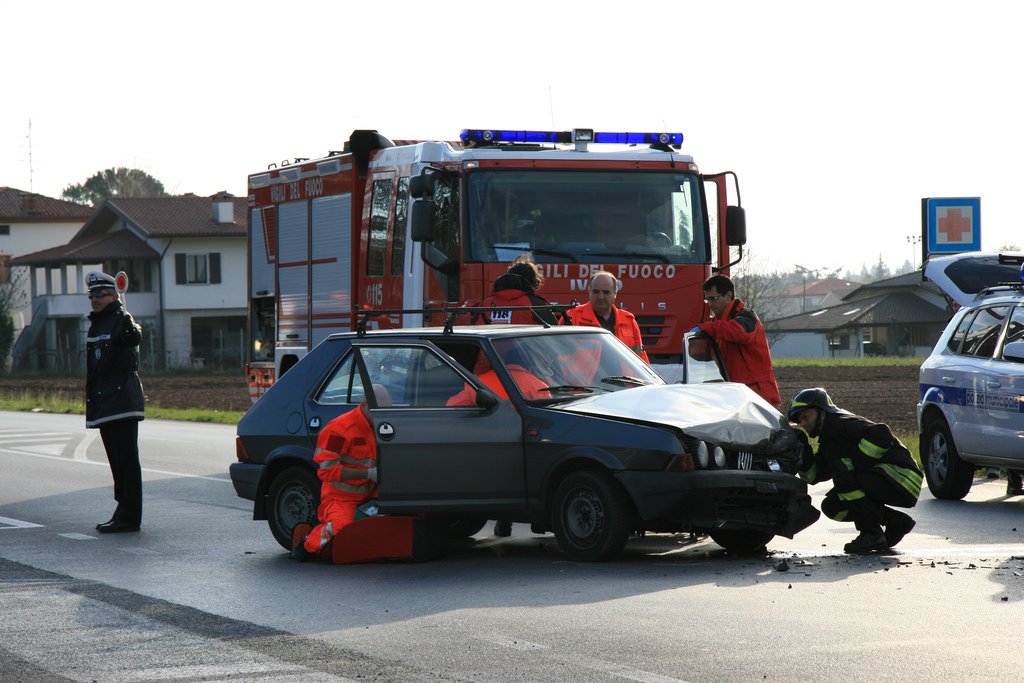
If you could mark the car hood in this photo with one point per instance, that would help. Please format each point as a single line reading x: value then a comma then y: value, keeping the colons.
x: 723, y: 412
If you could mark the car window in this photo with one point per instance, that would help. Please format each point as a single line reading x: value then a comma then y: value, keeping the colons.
x: 983, y: 334
x: 957, y: 338
x: 344, y: 386
x: 1015, y: 328
x: 415, y: 376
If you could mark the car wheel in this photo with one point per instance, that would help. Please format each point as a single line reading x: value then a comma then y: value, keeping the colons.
x: 294, y: 499
x: 464, y: 527
x: 591, y: 517
x: 743, y: 541
x: 949, y: 477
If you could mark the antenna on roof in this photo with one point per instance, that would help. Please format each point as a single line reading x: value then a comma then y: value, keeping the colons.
x: 30, y: 171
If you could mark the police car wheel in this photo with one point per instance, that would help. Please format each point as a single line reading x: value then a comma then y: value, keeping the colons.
x: 591, y: 516
x: 949, y: 477
x: 293, y: 499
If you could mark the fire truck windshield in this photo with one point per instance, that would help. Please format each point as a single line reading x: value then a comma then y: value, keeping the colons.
x: 585, y: 216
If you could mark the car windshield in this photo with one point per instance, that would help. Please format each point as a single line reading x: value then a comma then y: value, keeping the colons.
x: 560, y: 366
x: 585, y: 216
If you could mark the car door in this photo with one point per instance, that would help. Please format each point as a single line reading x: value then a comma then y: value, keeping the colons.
x: 1004, y: 384
x: 433, y: 457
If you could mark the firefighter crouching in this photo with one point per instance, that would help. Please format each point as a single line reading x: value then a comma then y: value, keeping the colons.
x: 870, y: 470
x: 346, y: 456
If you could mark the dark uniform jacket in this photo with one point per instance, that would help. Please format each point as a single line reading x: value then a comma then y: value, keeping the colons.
x: 113, y: 390
x: 858, y: 444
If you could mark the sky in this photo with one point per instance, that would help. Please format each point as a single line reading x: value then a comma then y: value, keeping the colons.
x: 838, y: 118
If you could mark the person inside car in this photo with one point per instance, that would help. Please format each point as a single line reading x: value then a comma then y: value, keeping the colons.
x: 870, y: 471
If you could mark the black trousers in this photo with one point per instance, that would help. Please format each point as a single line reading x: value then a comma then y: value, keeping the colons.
x: 869, y: 511
x: 121, y: 441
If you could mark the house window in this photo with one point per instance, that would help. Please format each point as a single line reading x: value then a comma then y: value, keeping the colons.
x: 5, y: 230
x: 197, y: 269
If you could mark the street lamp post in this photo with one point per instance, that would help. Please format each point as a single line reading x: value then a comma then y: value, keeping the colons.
x: 914, y: 240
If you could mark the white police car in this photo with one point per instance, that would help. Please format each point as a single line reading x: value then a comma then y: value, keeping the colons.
x: 971, y: 411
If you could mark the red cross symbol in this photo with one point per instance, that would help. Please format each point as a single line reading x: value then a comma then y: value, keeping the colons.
x: 955, y: 226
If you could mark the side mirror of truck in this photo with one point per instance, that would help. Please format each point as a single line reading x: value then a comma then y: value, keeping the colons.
x: 735, y: 226
x: 421, y: 185
x: 421, y: 220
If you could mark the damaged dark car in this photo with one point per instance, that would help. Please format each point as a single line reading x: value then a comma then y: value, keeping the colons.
x: 590, y: 443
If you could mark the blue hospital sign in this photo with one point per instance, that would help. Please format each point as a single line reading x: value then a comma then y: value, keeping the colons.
x: 952, y: 225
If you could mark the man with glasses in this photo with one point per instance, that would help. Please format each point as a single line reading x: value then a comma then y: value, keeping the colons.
x: 114, y: 402
x: 740, y: 336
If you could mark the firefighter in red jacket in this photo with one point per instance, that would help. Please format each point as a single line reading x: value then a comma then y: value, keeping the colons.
x: 870, y: 471
x: 518, y: 287
x: 601, y: 311
x: 346, y: 456
x: 740, y: 337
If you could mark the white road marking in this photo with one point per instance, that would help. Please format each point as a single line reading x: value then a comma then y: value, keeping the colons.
x: 224, y: 479
x: 83, y: 445
x: 16, y: 524
x: 78, y: 537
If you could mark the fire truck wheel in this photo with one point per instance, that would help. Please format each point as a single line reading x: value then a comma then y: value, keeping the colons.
x: 293, y: 499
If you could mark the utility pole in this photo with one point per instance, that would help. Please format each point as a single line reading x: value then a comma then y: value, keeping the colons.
x: 30, y: 171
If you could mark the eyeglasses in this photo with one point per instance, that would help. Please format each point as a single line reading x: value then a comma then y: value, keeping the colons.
x: 712, y: 299
x: 99, y: 295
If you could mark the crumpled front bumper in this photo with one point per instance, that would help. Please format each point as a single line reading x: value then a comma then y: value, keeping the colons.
x: 772, y: 502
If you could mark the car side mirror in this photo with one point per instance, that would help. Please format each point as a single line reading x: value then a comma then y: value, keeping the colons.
x: 486, y: 400
x: 1014, y: 351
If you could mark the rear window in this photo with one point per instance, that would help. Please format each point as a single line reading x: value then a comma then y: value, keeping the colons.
x: 972, y: 275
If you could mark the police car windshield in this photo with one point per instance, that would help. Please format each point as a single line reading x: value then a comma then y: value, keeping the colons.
x: 584, y: 216
x: 567, y: 364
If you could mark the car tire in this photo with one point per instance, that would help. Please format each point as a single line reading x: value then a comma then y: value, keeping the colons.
x: 741, y: 541
x: 293, y: 499
x: 592, y: 516
x: 949, y: 477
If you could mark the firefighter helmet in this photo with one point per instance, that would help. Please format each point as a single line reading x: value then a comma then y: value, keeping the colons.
x: 811, y: 398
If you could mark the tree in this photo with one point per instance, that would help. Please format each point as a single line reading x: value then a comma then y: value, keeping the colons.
x: 880, y: 270
x: 114, y: 182
x: 12, y: 297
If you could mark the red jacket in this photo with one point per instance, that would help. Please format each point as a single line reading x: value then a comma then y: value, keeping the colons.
x: 740, y: 336
x: 512, y: 290
x: 626, y: 328
x: 345, y: 450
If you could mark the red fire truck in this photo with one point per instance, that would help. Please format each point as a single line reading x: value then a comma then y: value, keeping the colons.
x: 424, y: 225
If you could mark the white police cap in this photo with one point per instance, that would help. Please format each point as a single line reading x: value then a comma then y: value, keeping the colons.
x: 98, y: 280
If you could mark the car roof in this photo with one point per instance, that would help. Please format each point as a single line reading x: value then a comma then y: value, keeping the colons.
x: 970, y: 277
x: 471, y: 331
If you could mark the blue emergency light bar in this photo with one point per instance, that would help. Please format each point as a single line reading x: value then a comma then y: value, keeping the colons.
x: 479, y: 136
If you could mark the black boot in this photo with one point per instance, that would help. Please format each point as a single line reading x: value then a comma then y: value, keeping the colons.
x: 867, y: 542
x: 897, y: 525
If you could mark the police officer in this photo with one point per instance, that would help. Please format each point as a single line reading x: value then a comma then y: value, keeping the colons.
x: 870, y: 470
x: 114, y: 402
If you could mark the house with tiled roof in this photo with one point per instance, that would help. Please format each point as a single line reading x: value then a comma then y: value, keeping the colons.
x: 185, y: 261
x: 29, y: 222
x: 808, y: 296
x: 896, y: 316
